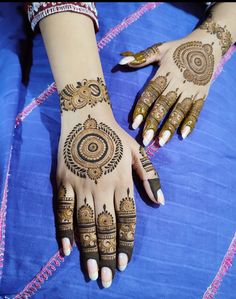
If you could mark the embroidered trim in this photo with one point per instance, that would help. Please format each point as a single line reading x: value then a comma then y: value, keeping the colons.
x: 61, y: 8
x: 224, y: 268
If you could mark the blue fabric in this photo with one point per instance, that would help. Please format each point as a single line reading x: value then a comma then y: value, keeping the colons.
x: 179, y: 247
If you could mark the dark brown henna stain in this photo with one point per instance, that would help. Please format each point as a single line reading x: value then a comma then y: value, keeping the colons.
x: 155, y: 186
x: 193, y: 114
x: 106, y: 230
x: 92, y: 150
x: 126, y: 224
x: 64, y: 212
x: 196, y: 61
x: 87, y: 92
x: 222, y: 33
x: 146, y: 163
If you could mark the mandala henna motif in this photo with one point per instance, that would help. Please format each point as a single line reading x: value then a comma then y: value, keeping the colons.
x: 106, y: 230
x: 92, y: 150
x: 196, y: 61
x: 64, y: 211
x: 150, y: 94
x: 126, y: 224
x: 161, y: 107
x: 87, y: 92
x: 222, y: 33
x: 146, y: 163
x: 87, y: 230
x: 177, y: 115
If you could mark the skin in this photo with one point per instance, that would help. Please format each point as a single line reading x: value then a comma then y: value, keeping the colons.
x: 188, y: 76
x: 73, y: 55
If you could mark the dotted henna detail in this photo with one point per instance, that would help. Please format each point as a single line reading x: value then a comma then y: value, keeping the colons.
x: 196, y: 61
x: 86, y: 92
x: 92, y: 150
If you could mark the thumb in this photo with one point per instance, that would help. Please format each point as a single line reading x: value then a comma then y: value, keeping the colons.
x: 147, y: 173
x: 143, y: 58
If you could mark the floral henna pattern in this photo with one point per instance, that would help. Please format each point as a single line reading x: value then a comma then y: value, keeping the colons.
x: 222, y: 33
x: 87, y: 92
x: 64, y: 211
x: 92, y: 150
x: 142, y: 56
x: 106, y: 232
x: 196, y: 61
x: 87, y: 231
x: 192, y: 116
x: 161, y: 107
x: 153, y: 90
x: 126, y: 224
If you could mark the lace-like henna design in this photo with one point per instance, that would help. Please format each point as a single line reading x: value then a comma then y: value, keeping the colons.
x: 87, y: 232
x: 154, y: 183
x: 92, y: 150
x: 196, y: 61
x: 106, y: 232
x: 142, y: 56
x: 64, y: 212
x: 153, y: 90
x: 87, y: 92
x: 126, y: 224
x: 222, y: 33
x: 193, y: 114
x: 160, y: 108
x: 177, y: 115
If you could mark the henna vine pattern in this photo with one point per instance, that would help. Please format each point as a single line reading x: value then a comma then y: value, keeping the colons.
x: 150, y: 94
x: 146, y: 163
x: 87, y: 92
x: 106, y: 230
x: 92, y: 150
x: 196, y: 61
x: 192, y: 117
x: 87, y: 229
x: 126, y: 224
x: 221, y: 33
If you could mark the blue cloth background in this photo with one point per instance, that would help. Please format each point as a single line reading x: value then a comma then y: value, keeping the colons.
x: 179, y: 247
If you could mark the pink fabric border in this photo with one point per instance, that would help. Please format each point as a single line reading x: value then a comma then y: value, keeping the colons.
x: 32, y: 287
x: 224, y: 268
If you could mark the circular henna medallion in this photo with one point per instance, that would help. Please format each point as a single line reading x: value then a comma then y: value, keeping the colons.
x: 196, y: 61
x: 92, y: 150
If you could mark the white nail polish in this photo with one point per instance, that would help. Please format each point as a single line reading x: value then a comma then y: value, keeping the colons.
x: 148, y: 137
x: 185, y: 132
x: 106, y: 284
x: 164, y: 138
x: 92, y: 267
x: 67, y: 252
x: 137, y: 121
x: 122, y: 261
x: 160, y: 197
x: 93, y: 276
x: 66, y: 246
x: 126, y: 60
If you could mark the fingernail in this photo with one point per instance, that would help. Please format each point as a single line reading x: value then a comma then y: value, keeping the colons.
x: 185, y: 132
x: 66, y: 246
x: 106, y: 276
x: 148, y: 137
x: 137, y: 121
x: 122, y: 261
x: 164, y: 138
x: 126, y: 60
x: 160, y: 197
x: 92, y: 269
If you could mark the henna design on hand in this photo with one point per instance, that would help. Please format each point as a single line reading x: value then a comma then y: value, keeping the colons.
x: 92, y: 150
x: 177, y: 115
x: 64, y: 212
x: 141, y: 57
x: 87, y: 92
x: 87, y: 232
x: 160, y: 108
x: 193, y: 114
x: 106, y: 230
x: 146, y: 163
x: 196, y: 61
x: 222, y: 33
x: 153, y: 90
x: 126, y: 224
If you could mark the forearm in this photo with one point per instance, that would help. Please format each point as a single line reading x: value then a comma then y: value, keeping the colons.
x: 73, y: 55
